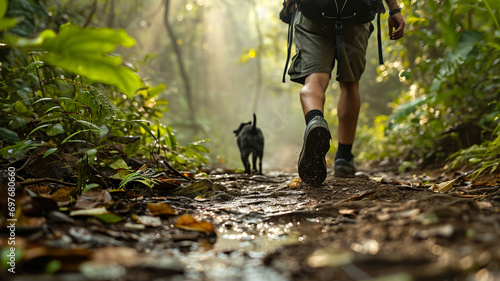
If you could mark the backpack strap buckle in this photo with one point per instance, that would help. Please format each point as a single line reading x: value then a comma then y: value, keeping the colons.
x: 338, y: 25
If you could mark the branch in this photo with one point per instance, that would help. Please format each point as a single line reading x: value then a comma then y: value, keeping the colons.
x: 180, y: 62
x: 92, y: 12
x: 35, y: 181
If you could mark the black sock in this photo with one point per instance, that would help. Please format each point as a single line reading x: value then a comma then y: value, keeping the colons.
x: 313, y: 113
x: 344, y: 152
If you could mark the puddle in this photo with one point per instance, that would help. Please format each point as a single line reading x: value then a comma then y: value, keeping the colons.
x: 244, y: 236
x: 238, y: 253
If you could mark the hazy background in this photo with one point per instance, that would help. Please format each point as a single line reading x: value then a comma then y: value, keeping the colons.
x: 233, y: 54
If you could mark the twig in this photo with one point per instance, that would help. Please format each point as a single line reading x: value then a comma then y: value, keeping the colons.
x: 177, y: 172
x: 24, y: 165
x: 482, y: 190
x: 493, y: 195
x: 260, y: 179
x: 38, y: 74
x: 92, y: 12
x: 35, y: 181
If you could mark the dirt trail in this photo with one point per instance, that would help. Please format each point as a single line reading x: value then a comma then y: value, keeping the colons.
x: 273, y: 227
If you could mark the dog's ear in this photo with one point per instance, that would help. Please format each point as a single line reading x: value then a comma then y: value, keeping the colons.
x: 237, y: 131
x: 242, y: 125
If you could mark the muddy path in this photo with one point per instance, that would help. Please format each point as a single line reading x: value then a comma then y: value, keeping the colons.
x: 273, y: 227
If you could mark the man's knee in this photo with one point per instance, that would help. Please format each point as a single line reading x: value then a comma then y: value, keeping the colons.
x: 349, y: 86
x: 315, y: 82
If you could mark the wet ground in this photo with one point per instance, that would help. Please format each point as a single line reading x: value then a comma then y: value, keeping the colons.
x: 273, y: 227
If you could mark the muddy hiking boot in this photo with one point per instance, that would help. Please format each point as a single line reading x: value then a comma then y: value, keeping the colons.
x: 312, y: 164
x: 344, y: 168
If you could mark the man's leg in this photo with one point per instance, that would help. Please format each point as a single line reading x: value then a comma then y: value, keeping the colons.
x: 312, y: 164
x: 348, y: 111
x: 312, y: 94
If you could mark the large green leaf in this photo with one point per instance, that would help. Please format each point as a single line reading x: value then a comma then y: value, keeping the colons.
x: 55, y: 130
x: 8, y: 136
x: 85, y: 51
x: 5, y: 23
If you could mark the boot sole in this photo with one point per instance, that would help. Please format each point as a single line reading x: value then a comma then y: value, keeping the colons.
x: 344, y: 170
x: 312, y: 164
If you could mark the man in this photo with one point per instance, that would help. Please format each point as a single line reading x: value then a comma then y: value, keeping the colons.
x: 312, y: 66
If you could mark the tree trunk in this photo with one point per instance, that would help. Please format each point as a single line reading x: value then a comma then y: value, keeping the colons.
x: 111, y: 17
x: 258, y: 59
x: 180, y: 63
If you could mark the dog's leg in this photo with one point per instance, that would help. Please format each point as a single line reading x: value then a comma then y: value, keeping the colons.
x: 254, y: 161
x: 260, y: 162
x: 244, y: 158
x: 260, y: 165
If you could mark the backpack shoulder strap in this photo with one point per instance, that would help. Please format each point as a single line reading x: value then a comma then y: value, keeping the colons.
x: 380, y: 10
x: 290, y: 41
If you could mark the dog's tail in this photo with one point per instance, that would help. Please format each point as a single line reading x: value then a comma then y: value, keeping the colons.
x: 254, y: 125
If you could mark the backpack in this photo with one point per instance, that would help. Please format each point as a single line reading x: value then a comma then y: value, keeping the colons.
x: 349, y: 12
x: 340, y: 12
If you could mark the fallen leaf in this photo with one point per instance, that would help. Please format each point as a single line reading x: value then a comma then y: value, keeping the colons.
x: 378, y: 179
x: 187, y: 222
x: 109, y: 218
x: 295, y: 183
x: 147, y: 220
x: 134, y: 226
x: 89, y: 212
x: 444, y: 186
x: 161, y: 209
x: 201, y: 199
x: 167, y: 184
x: 92, y: 199
x: 347, y: 211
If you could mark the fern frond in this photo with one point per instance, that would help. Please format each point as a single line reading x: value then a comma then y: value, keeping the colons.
x: 107, y: 106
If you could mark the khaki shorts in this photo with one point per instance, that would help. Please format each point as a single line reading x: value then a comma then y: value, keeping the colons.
x: 316, y: 49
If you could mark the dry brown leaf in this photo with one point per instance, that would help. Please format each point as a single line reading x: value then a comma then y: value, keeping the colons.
x: 161, y: 209
x: 187, y: 222
x: 295, y: 183
x: 444, y: 186
x: 92, y: 199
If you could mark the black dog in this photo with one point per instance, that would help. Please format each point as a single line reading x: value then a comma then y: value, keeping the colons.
x: 250, y: 140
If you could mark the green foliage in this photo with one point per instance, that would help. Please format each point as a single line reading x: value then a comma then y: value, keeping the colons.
x: 84, y: 51
x: 5, y: 22
x: 63, y: 90
x: 450, y: 60
x: 484, y: 157
x: 138, y: 176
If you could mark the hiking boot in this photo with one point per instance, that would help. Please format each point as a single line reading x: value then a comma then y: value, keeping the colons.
x: 344, y: 168
x: 312, y: 164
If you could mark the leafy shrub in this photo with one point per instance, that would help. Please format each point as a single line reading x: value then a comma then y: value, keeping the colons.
x: 64, y: 90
